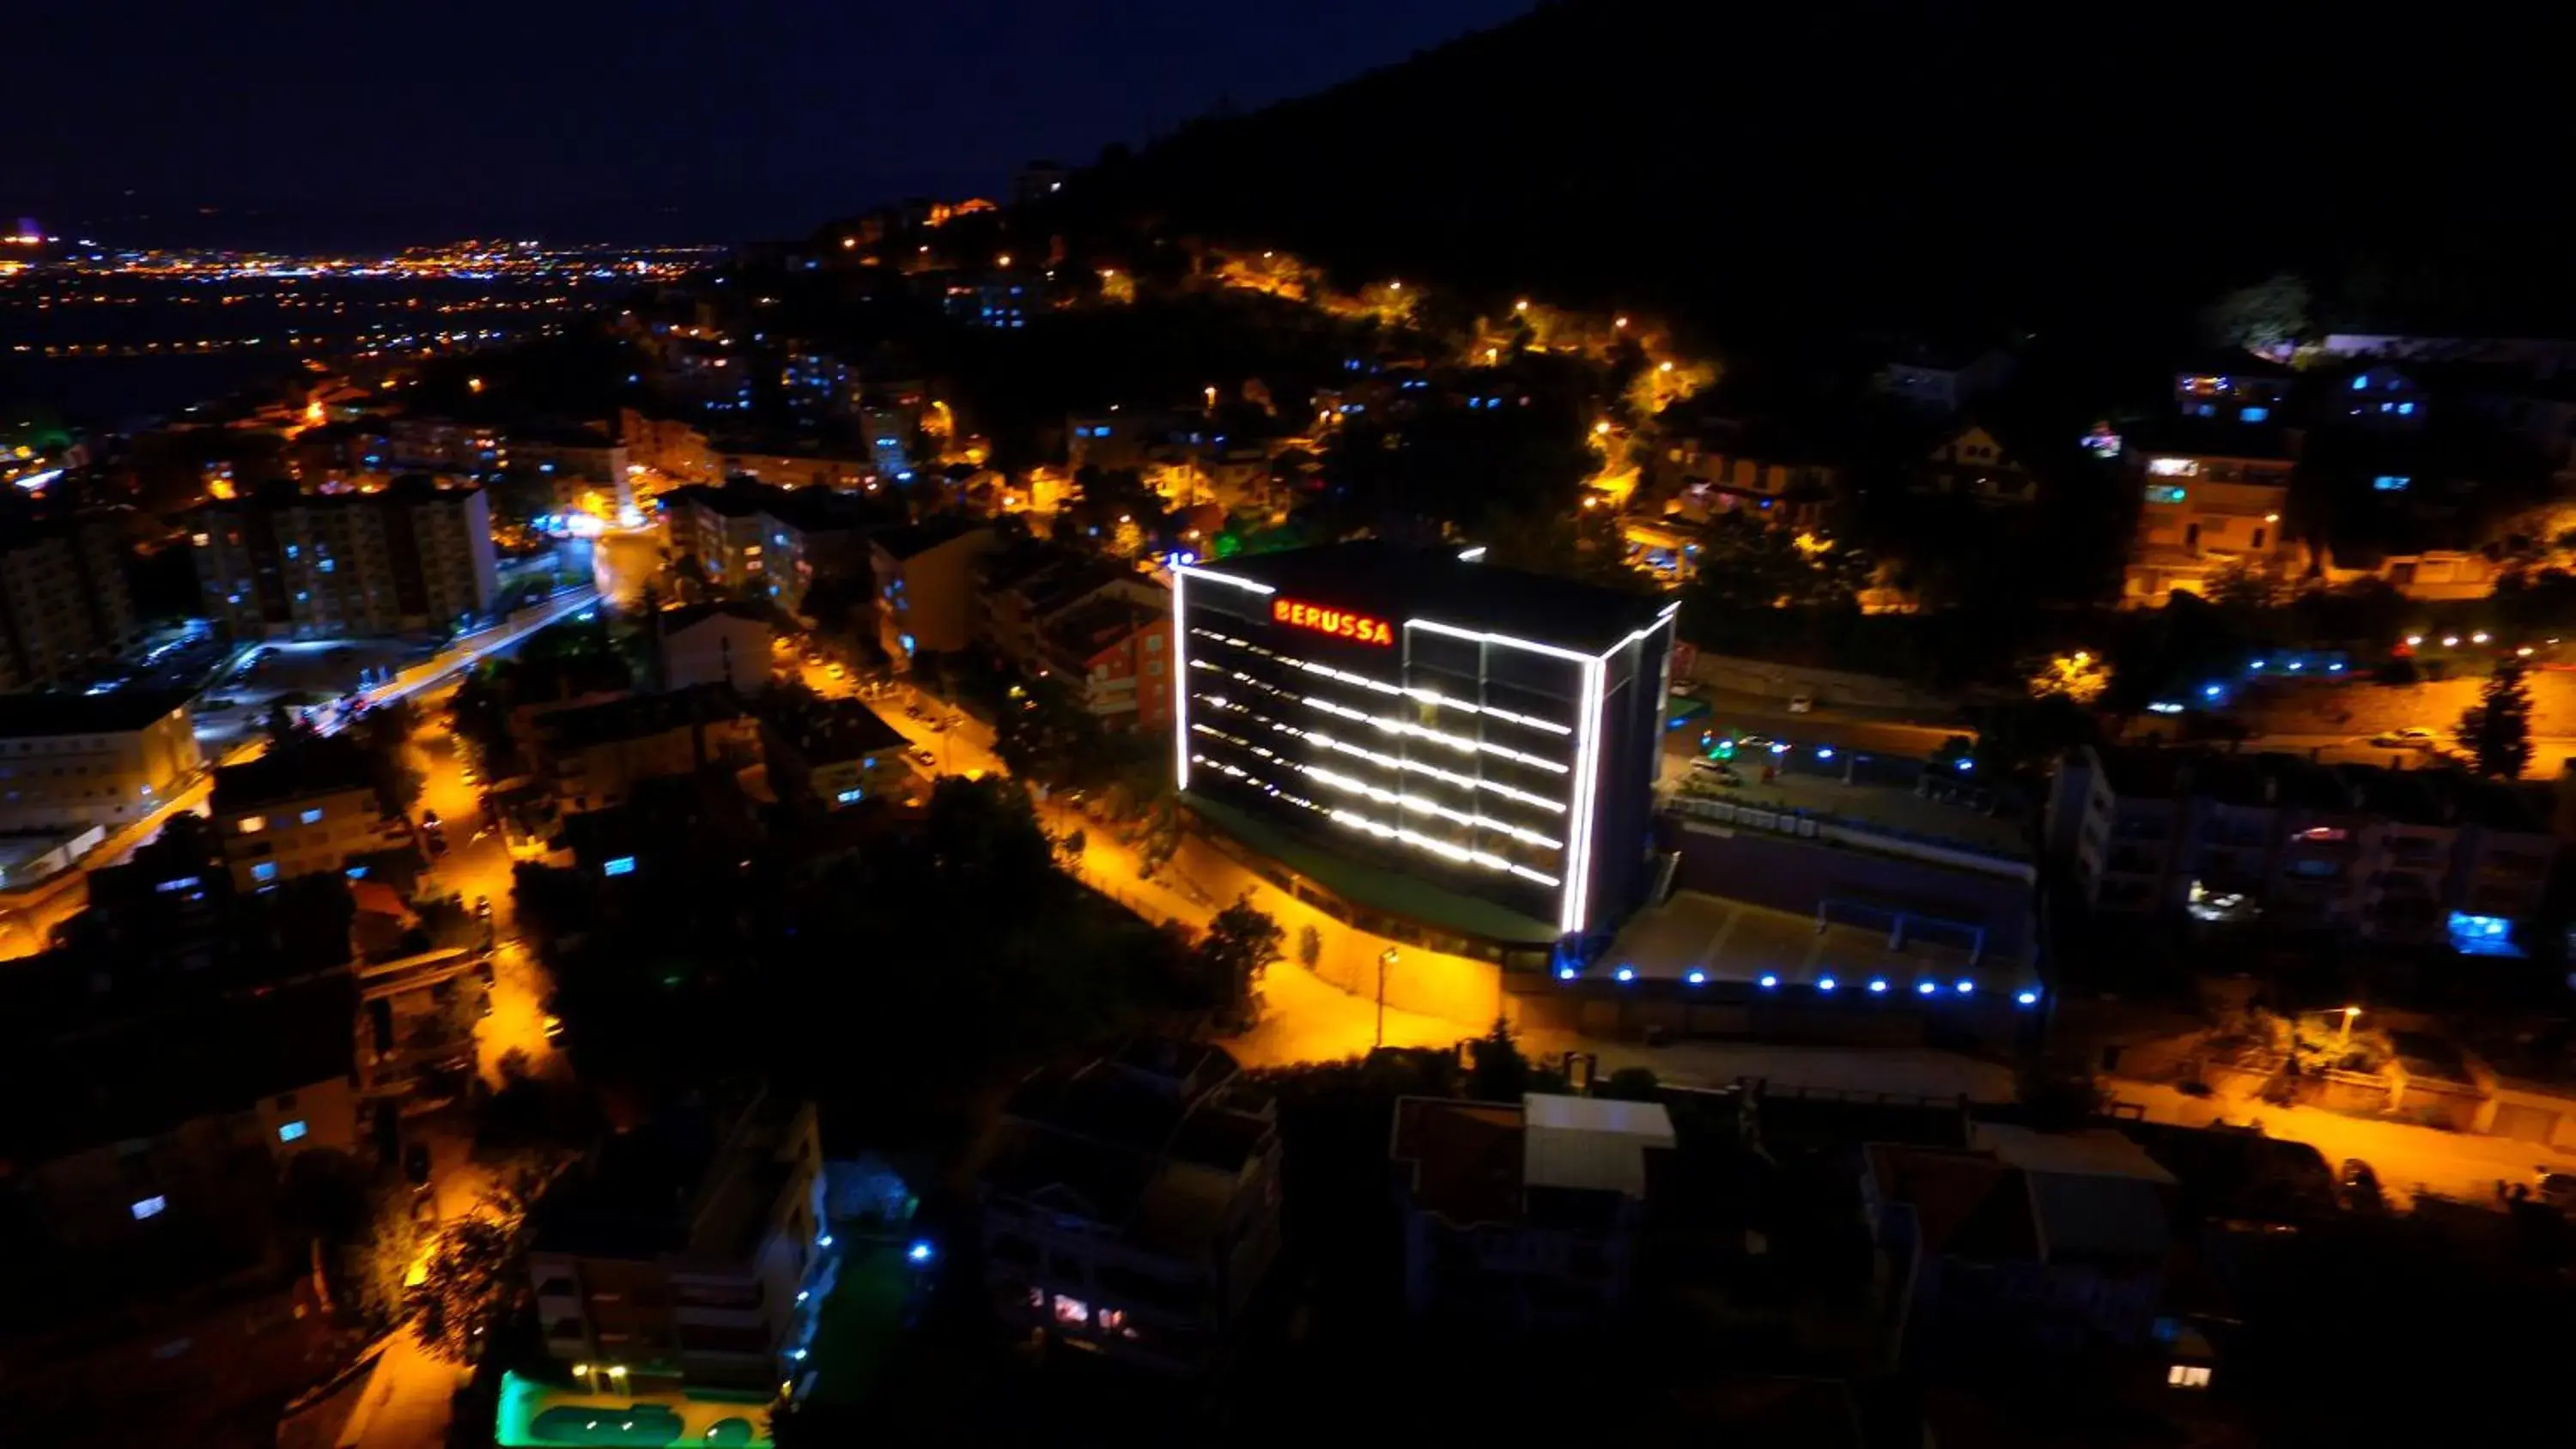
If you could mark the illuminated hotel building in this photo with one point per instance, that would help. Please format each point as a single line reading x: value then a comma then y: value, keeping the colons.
x: 1437, y: 749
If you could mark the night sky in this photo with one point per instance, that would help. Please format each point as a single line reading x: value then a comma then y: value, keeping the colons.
x: 623, y: 118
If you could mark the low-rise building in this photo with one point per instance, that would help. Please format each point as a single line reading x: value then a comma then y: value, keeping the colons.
x: 163, y: 1165
x: 82, y: 760
x: 301, y: 811
x: 925, y: 578
x: 2061, y: 1240
x: 1523, y: 1215
x: 2411, y: 856
x: 836, y: 753
x: 594, y: 754
x: 1115, y: 656
x: 714, y: 643
x: 1131, y: 1205
x: 668, y: 446
x: 1023, y: 588
x: 691, y: 1250
x: 2211, y: 503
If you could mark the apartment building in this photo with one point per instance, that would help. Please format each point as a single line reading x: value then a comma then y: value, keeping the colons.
x: 437, y: 445
x: 1115, y: 656
x: 286, y: 565
x: 690, y: 1250
x: 1131, y: 1205
x: 594, y: 754
x: 668, y: 446
x: 925, y: 578
x: 2211, y: 503
x: 301, y: 811
x: 835, y: 753
x: 717, y: 643
x: 1523, y: 1215
x: 747, y: 534
x: 1024, y: 587
x: 64, y: 603
x: 2411, y: 856
x: 81, y: 760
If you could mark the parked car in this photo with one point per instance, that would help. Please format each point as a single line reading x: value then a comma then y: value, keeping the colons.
x: 925, y: 759
x: 2360, y: 1184
x: 2555, y: 1186
x: 2413, y: 737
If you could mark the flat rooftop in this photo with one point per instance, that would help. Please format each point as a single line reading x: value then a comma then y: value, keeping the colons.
x: 1736, y: 941
x: 1398, y: 582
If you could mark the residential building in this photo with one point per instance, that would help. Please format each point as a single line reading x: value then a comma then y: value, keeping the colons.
x: 889, y: 433
x: 436, y: 445
x: 796, y: 469
x: 81, y: 760
x: 2238, y: 387
x: 163, y: 1164
x: 64, y: 603
x: 2381, y: 396
x: 2209, y: 505
x: 1131, y: 1205
x: 721, y: 530
x: 1025, y: 587
x: 690, y: 1250
x: 1720, y: 466
x: 1003, y: 299
x: 1944, y: 379
x: 925, y: 578
x: 281, y: 564
x: 1527, y: 1215
x: 2059, y: 1241
x: 2411, y: 856
x: 837, y: 753
x: 1037, y: 181
x: 301, y: 811
x: 717, y: 643
x: 594, y: 754
x: 579, y: 462
x: 748, y: 534
x: 1969, y: 463
x: 1115, y: 656
x: 670, y: 447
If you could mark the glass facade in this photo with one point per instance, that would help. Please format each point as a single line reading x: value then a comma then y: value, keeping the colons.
x: 1516, y: 771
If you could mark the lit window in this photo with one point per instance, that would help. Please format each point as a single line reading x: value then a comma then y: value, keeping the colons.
x: 292, y: 1131
x: 1067, y: 1310
x: 311, y: 817
x: 266, y: 870
x: 2188, y: 1376
x: 2392, y: 483
x: 849, y: 797
x: 2166, y: 493
x: 2254, y: 415
x: 622, y: 865
x: 150, y: 1207
x: 253, y: 824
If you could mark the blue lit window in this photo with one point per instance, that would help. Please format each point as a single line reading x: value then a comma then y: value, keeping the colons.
x: 292, y: 550
x: 2254, y: 414
x: 2482, y: 935
x: 2391, y: 482
x: 330, y: 566
x: 2359, y: 383
x: 356, y: 872
x: 622, y: 865
x: 2406, y: 409
x: 869, y: 763
x: 292, y: 1131
x: 266, y: 870
x: 311, y: 817
x: 150, y: 1207
x: 2206, y: 410
x: 849, y: 797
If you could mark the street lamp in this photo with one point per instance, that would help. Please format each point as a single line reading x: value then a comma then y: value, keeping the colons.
x: 1385, y: 959
x: 2343, y: 1039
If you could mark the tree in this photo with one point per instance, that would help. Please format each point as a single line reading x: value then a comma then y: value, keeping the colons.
x: 1497, y: 1072
x: 2080, y: 677
x: 470, y: 1282
x: 1632, y: 1084
x: 1070, y: 846
x: 1310, y: 945
x: 2242, y: 585
x: 2497, y: 729
x: 1241, y: 943
x: 2272, y: 313
x: 1160, y: 838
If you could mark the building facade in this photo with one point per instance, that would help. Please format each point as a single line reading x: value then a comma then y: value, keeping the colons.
x: 302, y: 812
x: 1426, y: 738
x: 925, y: 577
x: 285, y: 565
x: 64, y: 604
x: 105, y: 760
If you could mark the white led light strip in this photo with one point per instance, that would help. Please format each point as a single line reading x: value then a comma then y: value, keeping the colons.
x: 1464, y: 782
x: 1421, y: 732
x: 1431, y: 697
x: 1344, y: 782
x: 1440, y: 848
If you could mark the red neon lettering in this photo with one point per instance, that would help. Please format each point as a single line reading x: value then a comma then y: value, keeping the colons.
x: 1336, y: 622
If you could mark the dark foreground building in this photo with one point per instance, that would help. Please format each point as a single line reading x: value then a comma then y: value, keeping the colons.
x: 1435, y: 748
